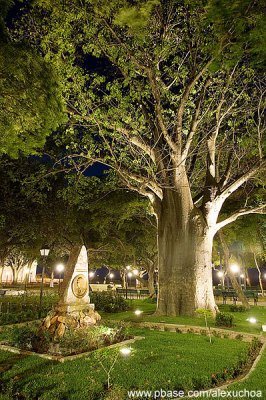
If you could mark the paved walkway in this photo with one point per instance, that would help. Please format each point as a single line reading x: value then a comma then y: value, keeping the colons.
x: 251, y: 302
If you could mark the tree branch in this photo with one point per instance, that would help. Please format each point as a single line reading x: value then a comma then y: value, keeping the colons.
x: 138, y: 142
x: 244, y: 211
x: 229, y: 189
x: 184, y: 100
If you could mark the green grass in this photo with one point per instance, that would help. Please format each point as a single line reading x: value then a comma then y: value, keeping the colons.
x: 161, y: 360
x: 148, y: 307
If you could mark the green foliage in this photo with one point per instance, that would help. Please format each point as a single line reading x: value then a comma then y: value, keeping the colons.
x: 114, y: 58
x: 76, y: 341
x: 23, y: 337
x: 224, y: 319
x: 108, y: 302
x: 82, y: 340
x: 31, y: 104
x: 20, y: 309
x: 236, y: 308
x: 245, y: 20
x: 136, y: 18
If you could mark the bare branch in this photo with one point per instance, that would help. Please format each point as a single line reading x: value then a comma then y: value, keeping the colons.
x: 138, y: 142
x: 229, y: 189
x: 159, y: 114
x: 244, y: 211
x: 184, y: 100
x: 194, y: 124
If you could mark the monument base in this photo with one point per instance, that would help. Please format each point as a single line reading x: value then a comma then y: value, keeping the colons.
x: 69, y: 317
x: 69, y: 308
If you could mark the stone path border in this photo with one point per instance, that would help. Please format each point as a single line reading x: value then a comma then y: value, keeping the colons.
x: 201, y: 330
x: 62, y: 359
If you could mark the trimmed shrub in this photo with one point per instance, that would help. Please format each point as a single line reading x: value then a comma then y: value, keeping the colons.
x: 224, y: 319
x: 108, y: 302
x: 236, y: 308
x: 23, y: 337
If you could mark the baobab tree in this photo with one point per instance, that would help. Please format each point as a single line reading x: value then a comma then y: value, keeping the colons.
x: 166, y: 94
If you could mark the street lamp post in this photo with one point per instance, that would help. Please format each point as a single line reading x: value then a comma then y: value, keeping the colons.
x: 44, y: 253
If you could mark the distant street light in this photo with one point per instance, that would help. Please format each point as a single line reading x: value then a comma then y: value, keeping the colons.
x: 111, y: 275
x: 234, y: 268
x: 60, y: 268
x: 128, y: 267
x: 220, y: 274
x: 242, y: 276
x: 135, y: 271
x: 91, y: 274
x: 44, y: 253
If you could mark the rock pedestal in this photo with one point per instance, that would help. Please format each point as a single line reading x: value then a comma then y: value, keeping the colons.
x: 74, y: 309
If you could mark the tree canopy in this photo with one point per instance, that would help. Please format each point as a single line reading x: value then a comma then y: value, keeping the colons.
x: 31, y: 102
x: 171, y: 96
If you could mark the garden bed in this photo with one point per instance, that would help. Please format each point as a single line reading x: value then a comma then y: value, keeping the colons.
x: 30, y: 339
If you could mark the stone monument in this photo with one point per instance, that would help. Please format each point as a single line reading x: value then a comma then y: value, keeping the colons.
x: 74, y: 309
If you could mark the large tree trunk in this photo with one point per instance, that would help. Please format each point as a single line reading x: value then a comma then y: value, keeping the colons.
x: 151, y: 280
x: 236, y: 286
x: 72, y: 261
x: 15, y: 275
x: 185, y: 259
x: 259, y: 271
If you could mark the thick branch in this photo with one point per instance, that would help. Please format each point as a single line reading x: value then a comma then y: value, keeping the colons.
x: 159, y: 114
x: 244, y: 211
x: 184, y: 100
x: 228, y: 190
x: 139, y: 142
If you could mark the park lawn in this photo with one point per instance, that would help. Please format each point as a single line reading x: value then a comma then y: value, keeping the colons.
x: 162, y: 360
x: 148, y: 307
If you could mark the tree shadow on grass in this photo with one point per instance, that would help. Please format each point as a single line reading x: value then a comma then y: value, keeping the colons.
x: 12, y: 384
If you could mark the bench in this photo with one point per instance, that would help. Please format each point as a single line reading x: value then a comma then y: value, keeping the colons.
x: 229, y: 294
x: 217, y: 292
x: 250, y: 294
x: 232, y: 294
x: 128, y: 293
x: 144, y: 293
x: 133, y: 293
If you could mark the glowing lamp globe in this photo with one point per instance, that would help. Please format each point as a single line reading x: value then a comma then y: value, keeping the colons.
x: 234, y: 268
x: 60, y: 267
x: 125, y: 351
